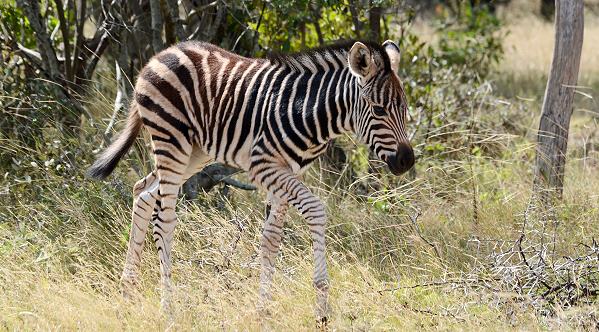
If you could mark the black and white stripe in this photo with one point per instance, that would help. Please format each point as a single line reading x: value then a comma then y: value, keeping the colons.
x: 270, y: 117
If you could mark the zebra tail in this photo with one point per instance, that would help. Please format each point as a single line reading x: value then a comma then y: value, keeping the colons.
x: 108, y: 160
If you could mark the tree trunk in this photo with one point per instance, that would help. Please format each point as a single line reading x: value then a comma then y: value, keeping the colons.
x: 156, y: 16
x: 31, y: 9
x: 552, y: 137
x: 374, y: 16
x: 173, y: 9
x: 353, y: 9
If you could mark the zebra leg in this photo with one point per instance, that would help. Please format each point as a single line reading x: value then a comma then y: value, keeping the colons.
x: 272, y: 235
x: 145, y: 193
x: 285, y: 186
x: 171, y: 173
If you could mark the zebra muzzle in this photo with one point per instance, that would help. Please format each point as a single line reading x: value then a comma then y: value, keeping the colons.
x: 402, y: 160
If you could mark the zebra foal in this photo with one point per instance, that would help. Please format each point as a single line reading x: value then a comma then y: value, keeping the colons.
x: 270, y: 117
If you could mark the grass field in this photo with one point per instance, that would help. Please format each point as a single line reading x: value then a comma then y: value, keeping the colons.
x: 409, y: 258
x: 62, y: 261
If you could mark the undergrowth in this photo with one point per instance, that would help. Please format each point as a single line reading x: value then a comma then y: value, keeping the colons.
x: 425, y: 251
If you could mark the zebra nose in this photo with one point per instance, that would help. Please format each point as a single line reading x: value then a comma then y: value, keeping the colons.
x: 402, y: 161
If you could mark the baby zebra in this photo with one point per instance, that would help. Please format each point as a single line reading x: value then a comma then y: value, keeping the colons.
x: 270, y: 117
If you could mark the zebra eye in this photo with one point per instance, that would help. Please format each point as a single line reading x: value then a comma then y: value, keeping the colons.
x: 379, y: 110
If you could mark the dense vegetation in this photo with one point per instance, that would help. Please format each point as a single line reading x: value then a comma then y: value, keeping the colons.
x: 455, y: 244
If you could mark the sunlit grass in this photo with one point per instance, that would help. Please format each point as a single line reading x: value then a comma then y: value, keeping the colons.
x: 63, y: 258
x: 401, y: 257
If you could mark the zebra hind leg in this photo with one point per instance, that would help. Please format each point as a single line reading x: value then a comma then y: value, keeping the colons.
x: 145, y: 193
x: 171, y: 174
x: 272, y: 236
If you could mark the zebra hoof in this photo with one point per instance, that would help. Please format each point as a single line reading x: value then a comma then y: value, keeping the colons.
x: 322, y: 323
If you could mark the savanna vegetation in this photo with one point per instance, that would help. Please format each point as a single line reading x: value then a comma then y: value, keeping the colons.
x: 458, y: 243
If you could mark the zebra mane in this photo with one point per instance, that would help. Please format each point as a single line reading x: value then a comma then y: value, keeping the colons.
x: 338, y: 48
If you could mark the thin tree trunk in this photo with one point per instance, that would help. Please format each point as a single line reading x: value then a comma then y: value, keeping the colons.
x: 552, y: 137
x: 374, y: 16
x: 353, y: 9
x: 78, y: 49
x: 317, y: 28
x: 31, y: 9
x: 213, y: 29
x: 64, y: 28
x: 155, y: 13
x: 173, y: 9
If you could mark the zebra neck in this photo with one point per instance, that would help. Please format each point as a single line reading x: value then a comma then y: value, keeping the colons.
x: 329, y: 93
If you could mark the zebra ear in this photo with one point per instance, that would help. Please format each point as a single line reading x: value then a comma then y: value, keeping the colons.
x: 360, y: 60
x: 394, y: 54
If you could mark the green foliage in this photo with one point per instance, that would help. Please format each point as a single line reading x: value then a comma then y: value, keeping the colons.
x: 291, y: 25
x: 445, y: 84
x: 475, y: 41
x: 16, y: 23
x: 28, y: 102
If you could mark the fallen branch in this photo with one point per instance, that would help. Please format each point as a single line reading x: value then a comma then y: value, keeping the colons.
x: 234, y: 183
x: 469, y: 282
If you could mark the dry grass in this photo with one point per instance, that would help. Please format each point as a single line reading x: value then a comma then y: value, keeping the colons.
x: 64, y: 274
x: 529, y: 49
x: 62, y: 250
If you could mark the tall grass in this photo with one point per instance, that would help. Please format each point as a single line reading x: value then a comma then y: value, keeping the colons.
x: 411, y: 255
x: 63, y: 240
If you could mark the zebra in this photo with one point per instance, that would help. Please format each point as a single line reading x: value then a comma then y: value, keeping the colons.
x: 271, y: 117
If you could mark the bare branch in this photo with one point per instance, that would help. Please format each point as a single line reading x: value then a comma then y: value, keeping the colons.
x: 49, y: 60
x: 118, y: 102
x: 414, y: 220
x: 65, y: 39
x: 79, y: 38
x: 33, y: 55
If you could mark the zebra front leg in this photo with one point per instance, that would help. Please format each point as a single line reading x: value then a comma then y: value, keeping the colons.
x: 285, y: 186
x: 272, y: 234
x: 145, y: 193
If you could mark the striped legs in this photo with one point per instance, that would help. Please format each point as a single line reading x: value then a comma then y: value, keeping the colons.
x: 145, y: 192
x: 171, y: 168
x: 272, y: 235
x: 284, y: 185
x: 164, y: 228
x: 155, y: 200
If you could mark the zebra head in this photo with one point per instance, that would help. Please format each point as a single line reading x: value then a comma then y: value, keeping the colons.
x: 381, y: 107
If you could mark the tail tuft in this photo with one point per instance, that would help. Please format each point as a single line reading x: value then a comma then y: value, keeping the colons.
x: 108, y: 160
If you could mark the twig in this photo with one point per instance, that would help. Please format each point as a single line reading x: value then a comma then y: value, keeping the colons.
x: 118, y: 102
x: 414, y: 220
x: 523, y: 256
x: 432, y: 313
x: 443, y: 283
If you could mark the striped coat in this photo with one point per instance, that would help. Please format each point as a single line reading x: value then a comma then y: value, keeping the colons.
x: 270, y: 117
